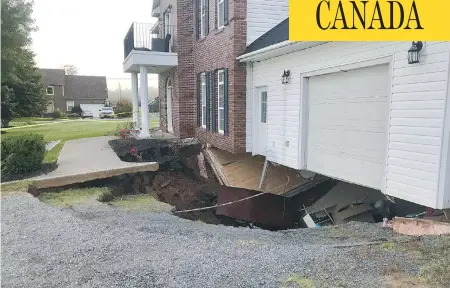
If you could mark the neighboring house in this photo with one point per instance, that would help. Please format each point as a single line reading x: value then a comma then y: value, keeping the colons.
x: 90, y: 92
x: 354, y: 111
x: 54, y: 79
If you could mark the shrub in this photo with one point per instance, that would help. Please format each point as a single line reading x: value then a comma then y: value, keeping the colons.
x: 58, y: 114
x: 76, y: 110
x: 106, y: 196
x: 123, y: 109
x: 124, y: 126
x: 22, y: 154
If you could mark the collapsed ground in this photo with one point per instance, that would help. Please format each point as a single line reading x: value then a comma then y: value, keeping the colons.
x: 101, y: 245
x: 70, y: 239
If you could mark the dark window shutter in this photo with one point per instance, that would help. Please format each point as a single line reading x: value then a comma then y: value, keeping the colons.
x: 208, y: 125
x: 197, y: 18
x: 207, y: 17
x: 225, y: 12
x: 199, y: 107
x: 213, y: 102
x: 225, y: 110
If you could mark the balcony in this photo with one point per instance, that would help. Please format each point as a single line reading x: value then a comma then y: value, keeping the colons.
x: 151, y: 46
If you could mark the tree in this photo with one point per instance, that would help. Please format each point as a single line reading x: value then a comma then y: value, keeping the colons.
x: 77, y: 110
x: 21, y: 86
x: 5, y: 106
x: 70, y: 69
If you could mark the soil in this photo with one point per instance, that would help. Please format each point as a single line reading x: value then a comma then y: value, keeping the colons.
x: 168, y: 152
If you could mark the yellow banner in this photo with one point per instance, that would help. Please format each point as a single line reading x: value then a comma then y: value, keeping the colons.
x: 369, y: 20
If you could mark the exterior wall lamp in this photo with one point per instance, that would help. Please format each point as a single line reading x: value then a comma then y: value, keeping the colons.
x: 285, y: 77
x: 414, y: 52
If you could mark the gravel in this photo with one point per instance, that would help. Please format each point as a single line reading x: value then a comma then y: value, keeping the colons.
x: 102, y: 246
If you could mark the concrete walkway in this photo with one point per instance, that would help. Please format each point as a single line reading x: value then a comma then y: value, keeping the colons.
x: 88, y: 159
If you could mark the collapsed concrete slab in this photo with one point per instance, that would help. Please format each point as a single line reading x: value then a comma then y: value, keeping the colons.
x: 88, y: 159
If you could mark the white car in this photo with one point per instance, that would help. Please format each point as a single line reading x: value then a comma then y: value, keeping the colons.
x: 106, y: 112
x: 87, y: 114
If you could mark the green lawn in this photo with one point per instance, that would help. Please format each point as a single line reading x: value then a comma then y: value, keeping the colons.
x: 18, y: 122
x: 67, y: 130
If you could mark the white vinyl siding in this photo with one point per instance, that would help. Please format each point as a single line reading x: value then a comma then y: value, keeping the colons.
x: 263, y: 15
x: 220, y: 13
x: 417, y: 108
x: 50, y: 90
x: 203, y: 98
x: 221, y: 100
x: 69, y: 105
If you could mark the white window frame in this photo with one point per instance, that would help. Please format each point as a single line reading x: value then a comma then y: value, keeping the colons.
x: 53, y: 90
x: 67, y: 105
x: 203, y: 98
x: 202, y: 18
x: 263, y: 107
x: 219, y: 16
x: 220, y: 83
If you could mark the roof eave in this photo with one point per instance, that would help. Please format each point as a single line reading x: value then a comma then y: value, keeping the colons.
x: 276, y: 50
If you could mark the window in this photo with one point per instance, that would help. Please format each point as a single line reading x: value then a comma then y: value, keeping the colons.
x: 69, y: 105
x: 221, y: 100
x: 203, y: 87
x: 50, y: 90
x: 220, y: 13
x: 264, y: 107
x: 168, y: 29
x: 203, y: 18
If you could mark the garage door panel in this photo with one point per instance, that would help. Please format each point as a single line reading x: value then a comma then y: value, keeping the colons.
x: 349, y: 112
x: 364, y: 142
x: 94, y: 108
x: 347, y: 127
x: 358, y: 171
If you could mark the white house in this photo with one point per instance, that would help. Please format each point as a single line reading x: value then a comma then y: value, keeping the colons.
x: 354, y: 111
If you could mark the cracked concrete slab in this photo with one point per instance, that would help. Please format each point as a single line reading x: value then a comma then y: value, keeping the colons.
x: 87, y: 159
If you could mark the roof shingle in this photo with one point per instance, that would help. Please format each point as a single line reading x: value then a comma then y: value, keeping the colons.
x: 86, y: 87
x: 52, y: 76
x: 277, y: 34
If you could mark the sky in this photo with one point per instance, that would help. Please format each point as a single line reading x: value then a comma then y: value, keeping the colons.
x: 87, y: 33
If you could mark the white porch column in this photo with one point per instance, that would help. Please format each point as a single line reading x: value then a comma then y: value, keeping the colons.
x: 144, y: 102
x: 135, y: 99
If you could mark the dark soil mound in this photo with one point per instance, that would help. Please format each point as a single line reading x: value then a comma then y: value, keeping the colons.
x: 167, y: 152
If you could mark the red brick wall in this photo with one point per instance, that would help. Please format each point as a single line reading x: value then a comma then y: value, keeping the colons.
x: 184, y: 113
x: 217, y: 50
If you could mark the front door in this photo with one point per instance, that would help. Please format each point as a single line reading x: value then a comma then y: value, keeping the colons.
x: 262, y: 121
x: 169, y: 106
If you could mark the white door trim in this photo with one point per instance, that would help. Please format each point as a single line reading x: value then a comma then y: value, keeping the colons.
x: 169, y: 106
x: 256, y: 118
x: 304, y: 100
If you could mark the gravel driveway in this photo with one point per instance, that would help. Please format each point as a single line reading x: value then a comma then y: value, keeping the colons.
x: 44, y: 246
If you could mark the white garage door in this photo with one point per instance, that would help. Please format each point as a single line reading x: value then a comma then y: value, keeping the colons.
x: 94, y: 108
x: 347, y: 128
